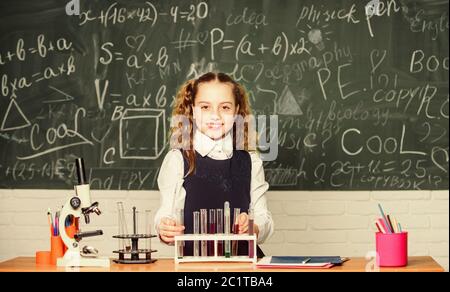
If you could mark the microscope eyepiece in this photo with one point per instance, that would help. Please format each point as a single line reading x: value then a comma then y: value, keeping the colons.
x: 81, y: 174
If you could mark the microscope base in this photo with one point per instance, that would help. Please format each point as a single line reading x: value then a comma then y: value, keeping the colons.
x: 75, y: 260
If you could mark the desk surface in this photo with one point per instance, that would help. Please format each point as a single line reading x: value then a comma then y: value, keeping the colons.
x: 27, y: 264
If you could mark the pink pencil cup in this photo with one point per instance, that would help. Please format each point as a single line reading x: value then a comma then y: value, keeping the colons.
x: 392, y: 249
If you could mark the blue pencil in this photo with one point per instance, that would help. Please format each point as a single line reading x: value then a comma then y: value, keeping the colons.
x: 388, y: 227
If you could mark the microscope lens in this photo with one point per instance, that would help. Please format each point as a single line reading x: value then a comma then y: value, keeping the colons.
x: 80, y: 171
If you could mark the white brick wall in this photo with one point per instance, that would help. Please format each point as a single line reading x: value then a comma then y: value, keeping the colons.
x: 306, y: 223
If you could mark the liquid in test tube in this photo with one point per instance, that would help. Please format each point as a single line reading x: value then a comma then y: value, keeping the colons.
x: 180, y: 221
x: 196, y: 231
x: 237, y: 212
x: 251, y: 222
x: 219, y: 223
x: 204, y: 230
x: 212, y: 230
x: 226, y: 215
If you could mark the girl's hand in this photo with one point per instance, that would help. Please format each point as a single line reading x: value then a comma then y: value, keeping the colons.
x: 168, y: 228
x: 243, y: 224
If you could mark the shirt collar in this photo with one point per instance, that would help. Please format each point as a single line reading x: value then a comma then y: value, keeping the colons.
x: 205, y: 145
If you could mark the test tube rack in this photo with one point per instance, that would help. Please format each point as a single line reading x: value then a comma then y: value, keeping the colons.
x: 134, y: 252
x: 216, y: 238
x: 132, y: 256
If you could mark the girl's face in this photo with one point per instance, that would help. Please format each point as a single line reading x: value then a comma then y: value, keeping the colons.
x: 214, y: 109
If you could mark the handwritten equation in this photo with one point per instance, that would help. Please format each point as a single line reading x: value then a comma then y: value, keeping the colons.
x: 360, y: 89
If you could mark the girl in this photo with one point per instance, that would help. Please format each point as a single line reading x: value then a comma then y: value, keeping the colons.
x: 209, y: 163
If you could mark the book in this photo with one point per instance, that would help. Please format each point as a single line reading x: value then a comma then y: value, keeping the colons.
x: 308, y: 262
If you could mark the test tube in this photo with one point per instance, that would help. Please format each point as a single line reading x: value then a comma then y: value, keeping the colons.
x: 212, y: 230
x: 148, y: 229
x: 134, y: 243
x: 180, y: 221
x: 124, y: 244
x: 120, y: 212
x: 196, y: 231
x: 219, y: 223
x: 227, y: 228
x: 251, y: 220
x: 204, y: 230
x: 234, y: 248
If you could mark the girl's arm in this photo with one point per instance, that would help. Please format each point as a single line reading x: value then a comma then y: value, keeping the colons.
x: 263, y: 218
x: 170, y: 185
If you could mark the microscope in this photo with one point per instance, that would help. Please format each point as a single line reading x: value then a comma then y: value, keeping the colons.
x: 78, y: 205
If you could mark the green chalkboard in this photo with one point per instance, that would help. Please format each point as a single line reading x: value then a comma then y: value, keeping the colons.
x: 359, y: 89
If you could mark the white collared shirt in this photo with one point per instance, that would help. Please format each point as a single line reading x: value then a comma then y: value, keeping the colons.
x: 216, y: 149
x: 173, y: 194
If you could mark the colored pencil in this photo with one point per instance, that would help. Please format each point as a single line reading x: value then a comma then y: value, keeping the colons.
x: 385, y: 220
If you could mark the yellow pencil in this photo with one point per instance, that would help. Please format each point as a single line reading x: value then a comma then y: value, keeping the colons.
x: 394, y: 225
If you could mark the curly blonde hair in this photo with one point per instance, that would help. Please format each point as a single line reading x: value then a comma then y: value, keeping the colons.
x: 183, y: 107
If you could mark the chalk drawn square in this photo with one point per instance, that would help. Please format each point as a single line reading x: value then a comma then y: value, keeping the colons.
x: 142, y: 134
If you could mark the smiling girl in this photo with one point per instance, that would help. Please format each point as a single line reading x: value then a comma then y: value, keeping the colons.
x: 209, y: 163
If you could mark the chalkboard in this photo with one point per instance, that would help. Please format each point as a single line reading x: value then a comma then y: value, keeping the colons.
x: 360, y: 89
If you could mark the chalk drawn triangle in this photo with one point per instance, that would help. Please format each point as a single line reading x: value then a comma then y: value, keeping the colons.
x: 66, y: 97
x: 14, y: 118
x: 287, y: 105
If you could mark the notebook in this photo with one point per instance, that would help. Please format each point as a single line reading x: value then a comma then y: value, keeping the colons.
x: 336, y: 260
x: 298, y: 262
